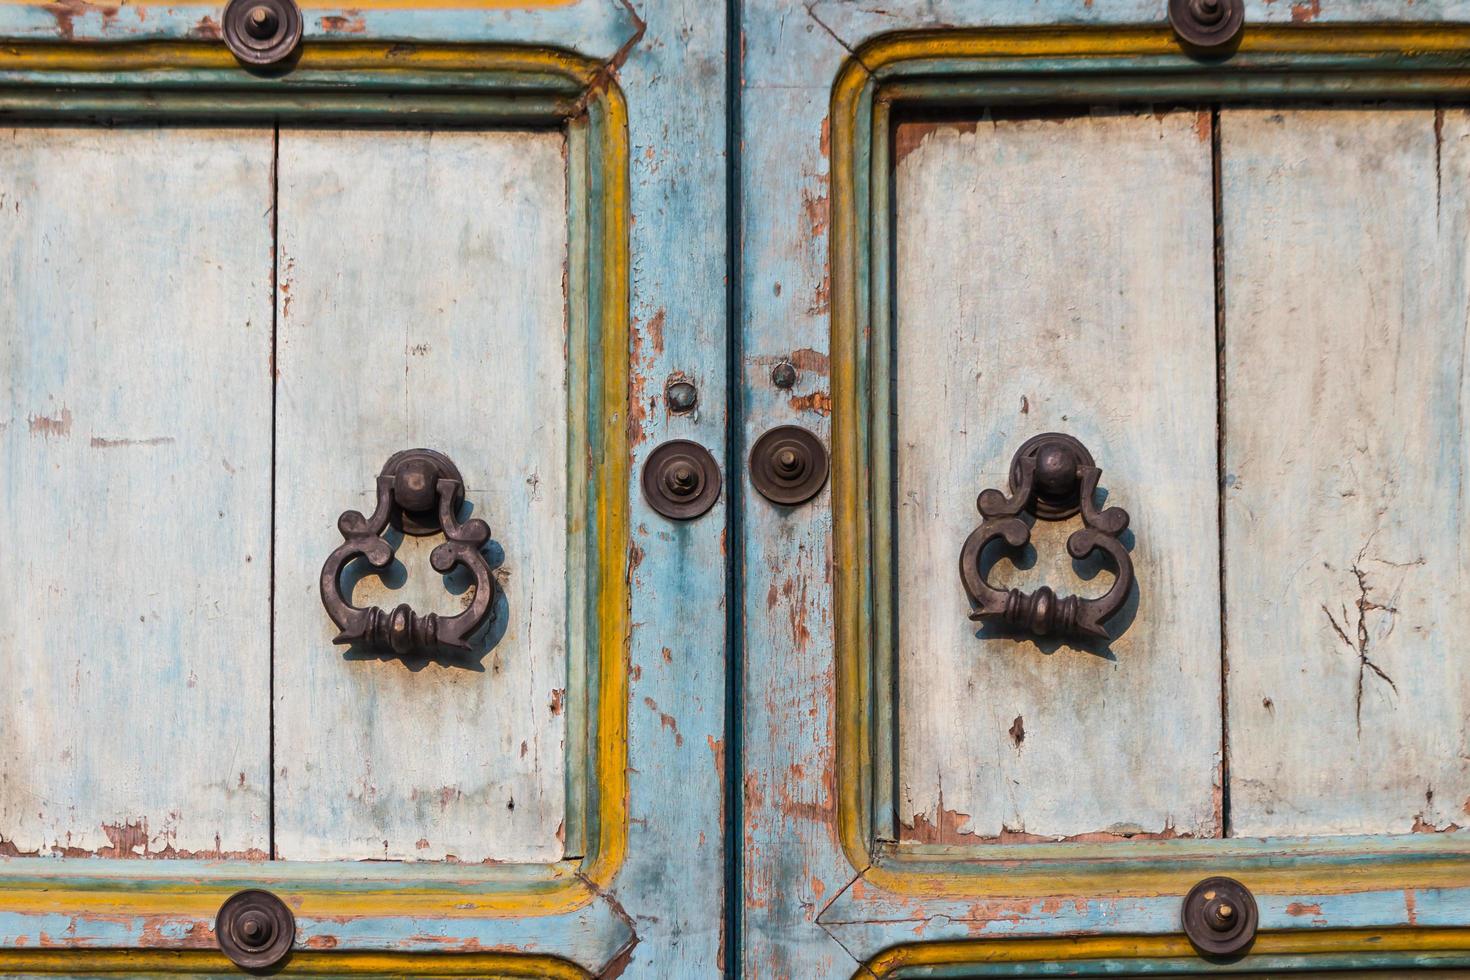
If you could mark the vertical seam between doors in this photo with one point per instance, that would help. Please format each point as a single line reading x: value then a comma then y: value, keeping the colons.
x: 735, y: 522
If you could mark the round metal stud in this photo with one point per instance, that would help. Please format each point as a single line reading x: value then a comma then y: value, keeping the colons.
x: 1220, y: 918
x: 1207, y: 25
x: 783, y: 375
x: 681, y: 480
x: 262, y: 32
x: 789, y: 465
x: 1057, y: 457
x: 682, y: 396
x: 255, y: 929
x: 416, y: 474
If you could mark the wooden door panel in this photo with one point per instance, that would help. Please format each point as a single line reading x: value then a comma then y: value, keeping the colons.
x: 422, y: 304
x: 135, y: 346
x: 1345, y: 448
x: 1054, y: 275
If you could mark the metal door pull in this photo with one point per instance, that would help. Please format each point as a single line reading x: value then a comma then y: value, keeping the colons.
x: 419, y: 492
x: 1052, y: 477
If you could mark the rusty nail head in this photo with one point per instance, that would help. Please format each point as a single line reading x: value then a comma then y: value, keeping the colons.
x: 783, y: 375
x: 682, y: 396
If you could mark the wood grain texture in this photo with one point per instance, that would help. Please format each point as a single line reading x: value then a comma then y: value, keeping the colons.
x: 135, y: 332
x: 421, y: 304
x: 1345, y: 452
x: 791, y: 868
x: 673, y: 880
x: 1054, y: 275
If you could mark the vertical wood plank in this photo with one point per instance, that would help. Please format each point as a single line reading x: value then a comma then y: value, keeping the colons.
x: 135, y: 332
x: 1345, y: 447
x: 1056, y: 275
x: 792, y: 869
x: 421, y: 304
x: 673, y: 881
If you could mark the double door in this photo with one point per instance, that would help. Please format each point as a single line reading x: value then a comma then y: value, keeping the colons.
x: 548, y: 490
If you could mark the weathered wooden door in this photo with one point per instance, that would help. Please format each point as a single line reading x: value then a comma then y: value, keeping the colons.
x: 231, y: 298
x: 1237, y: 280
x: 722, y: 706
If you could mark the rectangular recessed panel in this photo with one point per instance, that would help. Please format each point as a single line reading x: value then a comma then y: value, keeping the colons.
x: 1057, y: 275
x: 422, y: 304
x: 135, y: 344
x: 1346, y: 541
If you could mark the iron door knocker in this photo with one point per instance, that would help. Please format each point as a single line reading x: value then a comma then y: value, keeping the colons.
x: 1052, y: 477
x: 419, y: 491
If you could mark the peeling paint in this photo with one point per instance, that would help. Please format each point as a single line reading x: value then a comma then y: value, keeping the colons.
x: 817, y: 401
x: 1305, y: 13
x: 349, y: 22
x: 207, y: 29
x: 102, y: 442
x: 665, y: 720
x: 47, y: 426
x: 909, y: 136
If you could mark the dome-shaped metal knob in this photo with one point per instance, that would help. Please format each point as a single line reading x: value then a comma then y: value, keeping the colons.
x: 255, y: 929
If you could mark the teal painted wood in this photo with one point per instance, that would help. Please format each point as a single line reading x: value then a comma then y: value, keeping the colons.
x: 591, y: 935
x: 673, y: 883
x: 135, y: 339
x: 792, y: 868
x: 1345, y: 449
x: 594, y: 28
x: 419, y: 273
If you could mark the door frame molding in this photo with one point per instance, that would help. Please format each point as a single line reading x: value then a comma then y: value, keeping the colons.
x: 561, y: 909
x: 1367, y: 878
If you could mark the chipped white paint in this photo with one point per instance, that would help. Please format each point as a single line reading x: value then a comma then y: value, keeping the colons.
x: 1053, y: 275
x: 421, y: 304
x: 1345, y: 453
x: 135, y: 333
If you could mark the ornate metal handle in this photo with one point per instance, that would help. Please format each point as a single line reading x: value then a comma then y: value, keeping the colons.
x: 419, y: 491
x: 1053, y: 477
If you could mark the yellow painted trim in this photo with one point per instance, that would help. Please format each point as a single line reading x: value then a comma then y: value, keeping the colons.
x: 174, y: 901
x: 1011, y: 877
x: 566, y: 887
x: 1407, y: 40
x: 365, y: 56
x: 614, y: 604
x: 849, y: 505
x: 153, y: 962
x: 1305, y: 942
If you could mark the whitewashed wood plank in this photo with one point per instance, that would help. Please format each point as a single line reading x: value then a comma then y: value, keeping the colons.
x: 135, y: 332
x: 1345, y: 524
x: 1057, y: 275
x: 421, y: 304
